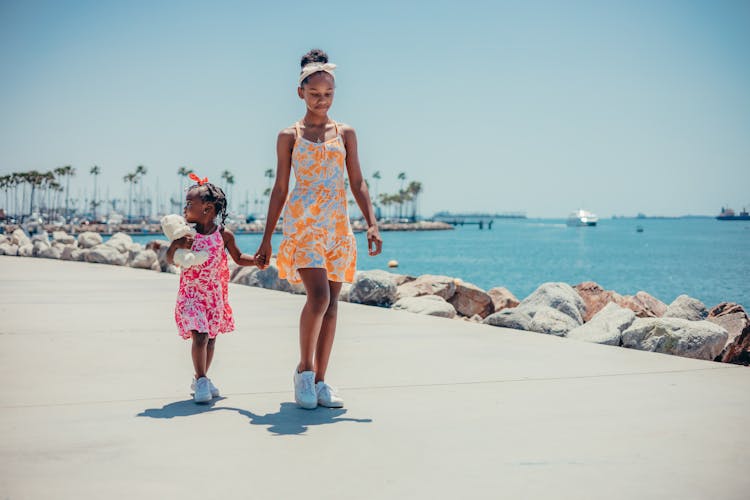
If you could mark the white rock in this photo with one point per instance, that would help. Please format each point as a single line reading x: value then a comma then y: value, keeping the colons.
x: 106, y: 254
x: 375, y: 288
x: 26, y: 250
x: 559, y: 296
x: 120, y: 241
x: 606, y: 326
x: 8, y: 248
x: 431, y: 305
x: 63, y: 237
x: 686, y: 307
x: 89, y: 239
x: 681, y: 337
x: 19, y: 238
x: 50, y: 253
x: 145, y: 259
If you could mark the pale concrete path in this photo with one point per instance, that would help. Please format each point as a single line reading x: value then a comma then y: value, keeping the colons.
x: 94, y: 404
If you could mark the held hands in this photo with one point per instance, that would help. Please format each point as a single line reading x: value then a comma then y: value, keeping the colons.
x: 263, y: 255
x: 374, y: 242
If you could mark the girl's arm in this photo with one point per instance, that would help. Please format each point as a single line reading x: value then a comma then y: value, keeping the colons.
x: 284, y: 146
x: 184, y: 242
x: 241, y: 259
x: 360, y: 191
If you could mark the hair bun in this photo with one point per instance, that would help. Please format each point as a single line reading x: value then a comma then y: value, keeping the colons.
x: 314, y: 56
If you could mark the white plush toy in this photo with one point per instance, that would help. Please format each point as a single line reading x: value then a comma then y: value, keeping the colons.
x: 175, y: 227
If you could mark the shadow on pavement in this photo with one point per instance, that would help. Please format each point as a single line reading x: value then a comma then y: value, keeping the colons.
x: 289, y: 420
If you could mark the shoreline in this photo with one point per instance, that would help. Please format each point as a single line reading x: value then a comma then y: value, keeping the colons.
x: 585, y: 311
x: 154, y: 229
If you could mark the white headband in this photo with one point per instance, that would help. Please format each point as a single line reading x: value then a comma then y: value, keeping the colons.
x: 314, y: 68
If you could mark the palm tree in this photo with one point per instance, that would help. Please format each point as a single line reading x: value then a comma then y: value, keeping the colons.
x: 35, y: 180
x: 67, y: 171
x: 402, y: 178
x: 95, y: 171
x: 131, y: 179
x: 229, y: 179
x: 183, y: 172
x: 414, y: 189
x: 141, y: 171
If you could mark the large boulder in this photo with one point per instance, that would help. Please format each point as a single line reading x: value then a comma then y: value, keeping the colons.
x: 686, y: 307
x: 26, y: 250
x: 734, y: 319
x: 50, y: 253
x: 19, y: 238
x: 39, y: 245
x: 375, y: 288
x: 502, y: 298
x: 106, y: 254
x: 89, y: 239
x: 8, y: 249
x: 518, y: 319
x: 428, y: 284
x: 595, y: 297
x: 145, y: 259
x: 121, y: 242
x: 551, y: 321
x: 469, y: 300
x: 265, y: 278
x: 43, y: 237
x: 681, y: 337
x: 63, y: 238
x: 643, y: 304
x: 344, y: 294
x: 431, y: 305
x: 560, y: 296
x: 606, y: 326
x: 133, y: 250
x: 4, y: 239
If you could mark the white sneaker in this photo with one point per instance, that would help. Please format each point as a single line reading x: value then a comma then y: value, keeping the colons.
x: 304, y: 389
x: 214, y: 390
x: 327, y: 396
x: 202, y: 391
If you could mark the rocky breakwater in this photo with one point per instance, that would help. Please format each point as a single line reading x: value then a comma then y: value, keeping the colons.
x: 119, y: 250
x: 585, y: 312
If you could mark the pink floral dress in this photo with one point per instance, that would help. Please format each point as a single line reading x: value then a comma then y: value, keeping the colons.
x: 202, y: 300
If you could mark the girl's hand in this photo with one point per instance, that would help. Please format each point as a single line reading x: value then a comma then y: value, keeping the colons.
x: 263, y: 255
x: 374, y: 242
x: 184, y: 242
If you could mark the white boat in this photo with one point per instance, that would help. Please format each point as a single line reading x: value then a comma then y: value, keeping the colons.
x: 582, y: 218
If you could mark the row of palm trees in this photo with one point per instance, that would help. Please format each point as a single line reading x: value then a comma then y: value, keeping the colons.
x: 33, y: 182
x: 49, y: 193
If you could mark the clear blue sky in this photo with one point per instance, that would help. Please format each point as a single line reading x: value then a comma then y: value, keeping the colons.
x: 539, y: 106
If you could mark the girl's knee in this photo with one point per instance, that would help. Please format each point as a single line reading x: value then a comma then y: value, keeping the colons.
x: 200, y: 339
x: 318, y: 302
x: 332, y: 309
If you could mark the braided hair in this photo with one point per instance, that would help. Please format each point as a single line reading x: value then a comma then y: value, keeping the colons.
x: 211, y: 193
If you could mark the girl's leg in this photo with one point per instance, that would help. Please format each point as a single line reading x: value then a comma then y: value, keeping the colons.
x: 200, y: 343
x: 327, y: 332
x: 318, y: 294
x: 210, y: 352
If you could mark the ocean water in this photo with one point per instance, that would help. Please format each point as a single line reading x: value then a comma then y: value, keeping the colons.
x: 704, y: 258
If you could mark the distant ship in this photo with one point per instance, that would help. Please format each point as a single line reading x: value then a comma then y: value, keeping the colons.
x: 728, y: 214
x: 582, y: 218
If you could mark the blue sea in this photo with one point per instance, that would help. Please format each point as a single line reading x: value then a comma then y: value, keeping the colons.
x: 704, y: 258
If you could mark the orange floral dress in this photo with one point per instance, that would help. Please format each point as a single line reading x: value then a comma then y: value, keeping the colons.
x: 316, y: 226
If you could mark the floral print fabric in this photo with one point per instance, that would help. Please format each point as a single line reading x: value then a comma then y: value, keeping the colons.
x: 316, y: 226
x: 202, y: 299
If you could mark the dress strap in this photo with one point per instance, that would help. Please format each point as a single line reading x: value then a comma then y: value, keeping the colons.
x: 336, y: 127
x: 299, y: 132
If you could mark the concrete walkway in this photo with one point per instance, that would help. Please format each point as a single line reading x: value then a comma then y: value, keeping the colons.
x: 94, y: 404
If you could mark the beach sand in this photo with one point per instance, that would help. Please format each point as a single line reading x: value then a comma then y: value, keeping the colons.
x: 95, y: 404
